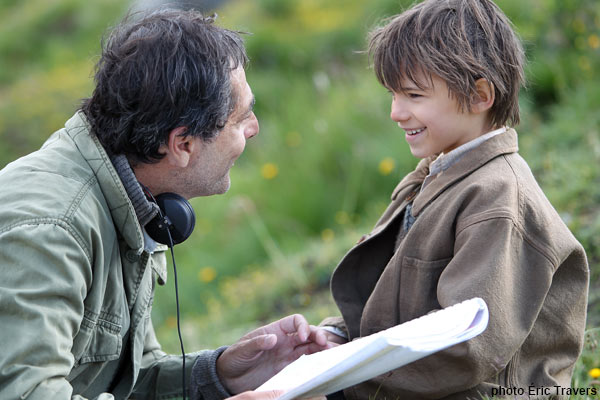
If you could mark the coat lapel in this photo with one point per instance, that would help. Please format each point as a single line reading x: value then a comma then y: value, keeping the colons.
x: 498, y: 145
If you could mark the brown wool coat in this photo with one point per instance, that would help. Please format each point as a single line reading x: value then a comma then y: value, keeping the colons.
x: 483, y: 229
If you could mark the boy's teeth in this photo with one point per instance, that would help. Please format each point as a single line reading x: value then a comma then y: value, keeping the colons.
x: 414, y: 131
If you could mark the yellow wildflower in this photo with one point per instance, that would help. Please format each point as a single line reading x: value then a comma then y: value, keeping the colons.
x: 386, y: 166
x: 594, y: 41
x: 269, y: 171
x: 327, y: 235
x: 595, y: 373
x: 207, y: 274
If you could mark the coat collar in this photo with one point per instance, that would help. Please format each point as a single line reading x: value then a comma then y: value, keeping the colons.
x: 120, y: 206
x: 474, y: 159
x: 416, y: 177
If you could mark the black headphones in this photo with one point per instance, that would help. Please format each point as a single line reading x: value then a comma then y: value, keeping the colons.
x: 173, y: 224
x: 175, y: 220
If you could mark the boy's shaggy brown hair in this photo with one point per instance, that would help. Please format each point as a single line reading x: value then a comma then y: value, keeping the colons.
x: 458, y: 40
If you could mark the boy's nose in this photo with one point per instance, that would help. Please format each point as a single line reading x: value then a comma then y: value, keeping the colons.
x: 399, y: 112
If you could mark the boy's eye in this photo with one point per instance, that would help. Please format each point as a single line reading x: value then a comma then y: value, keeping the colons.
x: 414, y: 95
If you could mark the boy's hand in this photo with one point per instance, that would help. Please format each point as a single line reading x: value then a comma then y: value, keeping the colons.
x: 262, y: 353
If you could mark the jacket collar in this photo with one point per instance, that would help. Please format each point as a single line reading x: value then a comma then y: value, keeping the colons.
x: 416, y: 177
x: 144, y: 210
x: 121, y: 208
x: 490, y: 149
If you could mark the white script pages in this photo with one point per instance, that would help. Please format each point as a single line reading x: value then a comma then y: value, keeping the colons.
x: 337, y: 368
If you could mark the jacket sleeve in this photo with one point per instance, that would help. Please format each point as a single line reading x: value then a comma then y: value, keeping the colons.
x: 160, y: 375
x: 494, y: 261
x: 205, y: 383
x: 44, y: 272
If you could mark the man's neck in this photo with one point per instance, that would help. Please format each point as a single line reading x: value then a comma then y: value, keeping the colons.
x: 147, y: 174
x: 144, y: 209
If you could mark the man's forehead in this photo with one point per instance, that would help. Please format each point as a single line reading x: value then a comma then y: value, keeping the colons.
x: 244, y: 99
x: 238, y: 75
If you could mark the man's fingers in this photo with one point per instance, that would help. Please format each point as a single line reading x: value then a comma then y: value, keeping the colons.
x: 262, y: 343
x: 317, y: 335
x: 295, y: 324
x: 309, y: 348
x: 302, y: 327
x: 271, y: 395
x: 275, y: 394
x: 246, y: 350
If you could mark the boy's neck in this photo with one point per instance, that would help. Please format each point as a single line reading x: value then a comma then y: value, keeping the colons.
x: 445, y: 161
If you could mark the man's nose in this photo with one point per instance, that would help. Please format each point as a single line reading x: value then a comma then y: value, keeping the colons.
x: 252, y: 128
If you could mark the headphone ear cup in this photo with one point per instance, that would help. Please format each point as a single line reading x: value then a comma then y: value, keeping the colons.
x: 176, y: 215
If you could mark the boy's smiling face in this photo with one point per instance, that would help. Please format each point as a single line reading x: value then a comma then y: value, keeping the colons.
x: 432, y: 119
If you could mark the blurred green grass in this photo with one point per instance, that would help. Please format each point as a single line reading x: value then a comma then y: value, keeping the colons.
x: 328, y: 156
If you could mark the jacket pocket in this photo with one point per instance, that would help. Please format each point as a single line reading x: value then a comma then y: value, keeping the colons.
x: 511, y: 375
x: 418, y: 290
x: 158, y: 262
x: 99, y: 338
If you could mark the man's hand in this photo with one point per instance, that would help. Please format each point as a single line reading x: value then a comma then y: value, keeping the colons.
x: 262, y: 353
x: 272, y: 395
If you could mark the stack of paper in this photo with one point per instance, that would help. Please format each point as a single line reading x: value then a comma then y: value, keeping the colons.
x: 349, y: 364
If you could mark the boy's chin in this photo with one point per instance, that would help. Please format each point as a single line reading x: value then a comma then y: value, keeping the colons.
x: 419, y: 153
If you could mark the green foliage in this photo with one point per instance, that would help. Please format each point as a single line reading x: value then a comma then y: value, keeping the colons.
x: 46, y: 65
x: 327, y: 158
x: 261, y: 294
x: 589, y: 359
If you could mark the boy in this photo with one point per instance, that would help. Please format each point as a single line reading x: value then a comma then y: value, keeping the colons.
x: 470, y: 221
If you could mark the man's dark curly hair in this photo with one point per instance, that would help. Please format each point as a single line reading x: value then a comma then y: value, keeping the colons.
x: 166, y: 70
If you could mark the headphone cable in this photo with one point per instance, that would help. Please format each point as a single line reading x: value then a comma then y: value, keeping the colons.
x: 178, y: 314
x: 171, y: 245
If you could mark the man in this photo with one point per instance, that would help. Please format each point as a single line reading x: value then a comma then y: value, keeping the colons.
x: 171, y: 112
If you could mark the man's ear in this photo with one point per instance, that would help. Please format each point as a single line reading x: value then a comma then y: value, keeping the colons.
x: 484, y: 96
x: 179, y: 147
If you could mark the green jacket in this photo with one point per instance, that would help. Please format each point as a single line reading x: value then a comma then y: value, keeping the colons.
x: 78, y: 284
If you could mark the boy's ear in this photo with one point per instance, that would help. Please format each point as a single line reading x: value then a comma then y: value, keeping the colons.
x: 484, y: 96
x: 179, y: 147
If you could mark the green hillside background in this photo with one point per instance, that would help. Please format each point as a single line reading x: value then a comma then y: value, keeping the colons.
x: 327, y: 157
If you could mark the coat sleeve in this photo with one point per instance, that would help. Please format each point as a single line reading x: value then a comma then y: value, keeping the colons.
x: 492, y: 260
x: 160, y: 374
x: 44, y: 272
